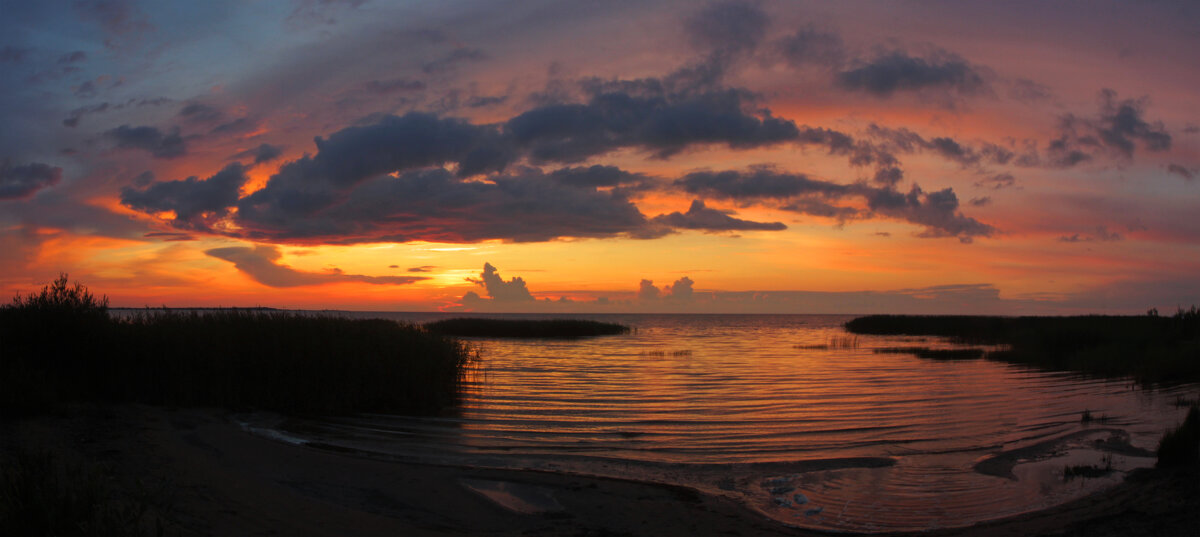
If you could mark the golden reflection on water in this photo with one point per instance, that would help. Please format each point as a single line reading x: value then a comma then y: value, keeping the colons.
x: 741, y: 405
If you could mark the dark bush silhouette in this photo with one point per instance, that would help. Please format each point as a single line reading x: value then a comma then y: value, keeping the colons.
x: 1181, y: 446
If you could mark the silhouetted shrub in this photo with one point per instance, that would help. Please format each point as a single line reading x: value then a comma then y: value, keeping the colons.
x: 1181, y: 446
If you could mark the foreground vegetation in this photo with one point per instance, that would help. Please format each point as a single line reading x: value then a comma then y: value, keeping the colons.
x: 61, y: 345
x: 42, y: 494
x: 1150, y: 348
x: 1181, y: 447
x: 525, y: 328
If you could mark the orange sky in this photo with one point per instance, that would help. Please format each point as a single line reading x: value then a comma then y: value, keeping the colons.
x: 1036, y: 158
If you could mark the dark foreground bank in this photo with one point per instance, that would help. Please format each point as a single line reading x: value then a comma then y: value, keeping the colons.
x: 194, y: 472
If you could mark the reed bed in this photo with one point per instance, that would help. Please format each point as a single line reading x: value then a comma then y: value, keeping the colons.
x: 1150, y: 348
x: 663, y: 353
x: 61, y: 345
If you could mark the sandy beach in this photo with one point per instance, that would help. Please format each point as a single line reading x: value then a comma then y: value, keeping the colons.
x: 206, y: 476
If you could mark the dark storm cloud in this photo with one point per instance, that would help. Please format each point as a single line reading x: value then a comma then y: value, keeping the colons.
x: 143, y: 179
x: 810, y: 46
x: 242, y: 125
x: 374, y: 182
x: 150, y: 139
x: 1121, y: 124
x: 599, y: 176
x: 483, y: 101
x: 435, y: 205
x: 200, y: 113
x: 729, y: 27
x: 1063, y: 152
x: 663, y: 124
x: 355, y: 154
x: 261, y: 264
x: 997, y: 182
x: 937, y: 211
x: 981, y: 201
x: 858, y: 152
x: 756, y: 183
x: 700, y: 217
x: 23, y: 181
x: 414, y: 140
x: 453, y: 59
x: 902, y: 140
x: 384, y: 181
x: 1119, y: 129
x: 194, y: 202
x: 898, y: 71
x: 74, y: 116
x: 262, y: 153
x: 823, y: 209
x: 839, y: 143
x: 888, y: 176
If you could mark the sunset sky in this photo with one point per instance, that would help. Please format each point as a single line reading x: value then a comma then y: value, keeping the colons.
x: 807, y: 157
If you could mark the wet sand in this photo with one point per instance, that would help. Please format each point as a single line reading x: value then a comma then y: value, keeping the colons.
x: 212, y: 478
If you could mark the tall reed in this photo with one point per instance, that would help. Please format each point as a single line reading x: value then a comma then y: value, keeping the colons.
x: 70, y: 349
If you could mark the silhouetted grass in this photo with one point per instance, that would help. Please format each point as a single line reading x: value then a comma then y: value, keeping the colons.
x: 68, y: 348
x: 1181, y: 446
x: 1088, y: 471
x: 835, y: 342
x: 1151, y: 348
x: 41, y: 494
x: 677, y: 354
x: 525, y: 328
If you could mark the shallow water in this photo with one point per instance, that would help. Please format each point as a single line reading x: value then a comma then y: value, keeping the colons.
x: 786, y: 413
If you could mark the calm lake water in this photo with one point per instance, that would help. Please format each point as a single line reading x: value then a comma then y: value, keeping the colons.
x: 788, y: 414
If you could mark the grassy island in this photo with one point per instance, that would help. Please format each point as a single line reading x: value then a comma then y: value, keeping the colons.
x: 1150, y: 348
x: 525, y: 328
